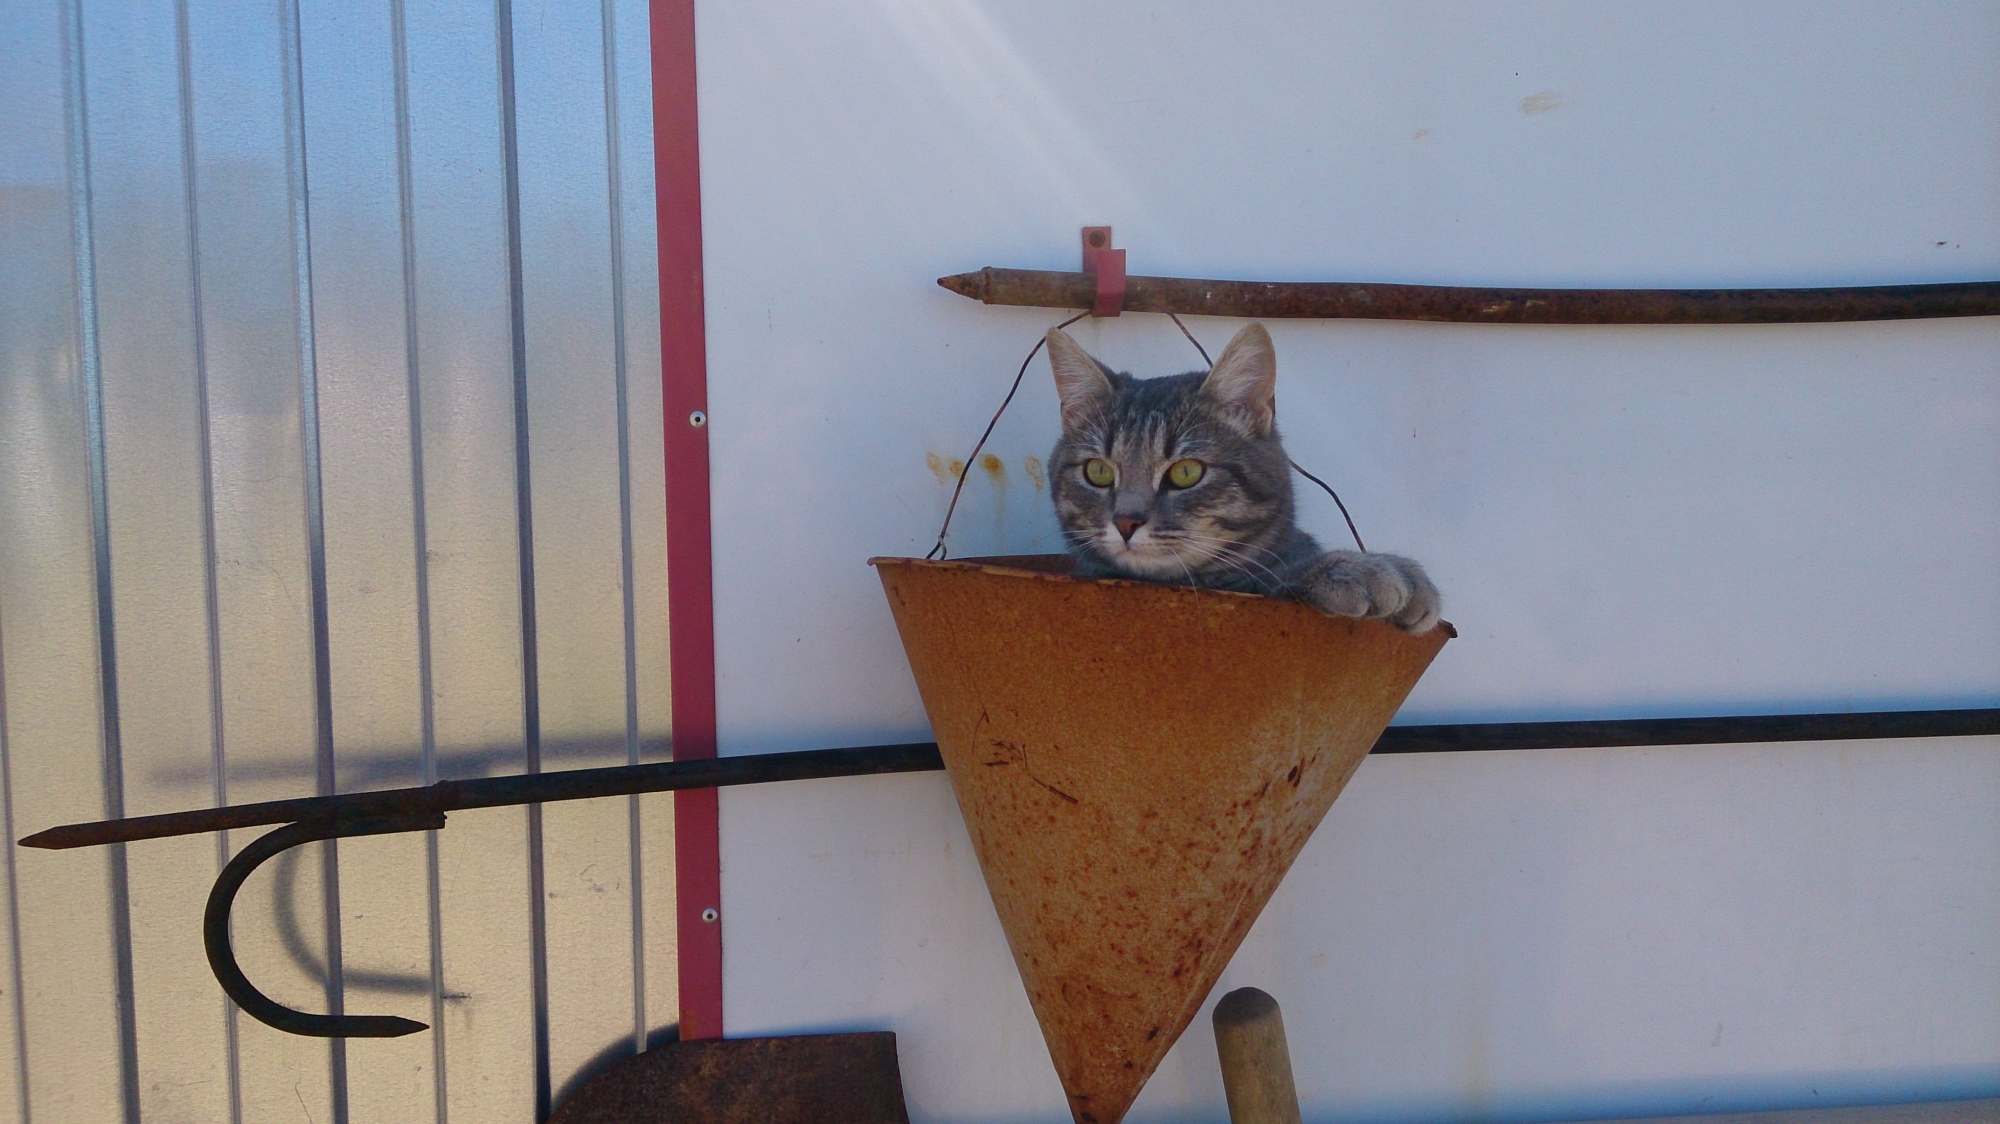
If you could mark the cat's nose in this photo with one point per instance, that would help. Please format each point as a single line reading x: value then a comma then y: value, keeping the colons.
x: 1128, y: 524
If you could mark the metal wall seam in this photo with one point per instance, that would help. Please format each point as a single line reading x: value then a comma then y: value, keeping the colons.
x: 17, y: 1009
x: 640, y: 249
x: 484, y: 1019
x: 573, y: 403
x: 420, y: 544
x: 524, y: 509
x: 629, y: 59
x: 150, y: 446
x: 78, y: 121
x: 246, y: 124
x: 211, y: 596
x: 615, y: 207
x: 293, y: 63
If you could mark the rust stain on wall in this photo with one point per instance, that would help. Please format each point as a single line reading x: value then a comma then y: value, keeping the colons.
x: 1542, y: 102
x: 947, y: 470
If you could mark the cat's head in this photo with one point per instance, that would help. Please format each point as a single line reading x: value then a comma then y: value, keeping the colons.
x: 1176, y: 477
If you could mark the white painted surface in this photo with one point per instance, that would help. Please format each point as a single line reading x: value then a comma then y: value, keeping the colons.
x: 1625, y: 522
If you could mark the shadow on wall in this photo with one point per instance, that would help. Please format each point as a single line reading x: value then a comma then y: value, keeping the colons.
x: 609, y: 1056
x: 292, y: 935
x: 402, y: 766
x: 390, y: 767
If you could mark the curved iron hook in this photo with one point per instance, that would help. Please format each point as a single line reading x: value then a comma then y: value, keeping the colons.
x: 222, y: 958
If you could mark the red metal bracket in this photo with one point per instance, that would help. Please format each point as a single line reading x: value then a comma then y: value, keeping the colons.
x: 1108, y: 266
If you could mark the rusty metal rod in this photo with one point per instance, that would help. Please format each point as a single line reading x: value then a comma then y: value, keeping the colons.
x: 499, y: 792
x: 1718, y: 730
x: 222, y: 954
x: 1331, y: 300
x: 813, y: 764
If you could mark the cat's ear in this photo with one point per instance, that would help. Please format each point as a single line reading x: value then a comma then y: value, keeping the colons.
x: 1246, y: 378
x: 1080, y: 383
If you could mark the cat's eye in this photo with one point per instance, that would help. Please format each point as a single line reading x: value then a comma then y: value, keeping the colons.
x: 1186, y: 474
x: 1098, y: 471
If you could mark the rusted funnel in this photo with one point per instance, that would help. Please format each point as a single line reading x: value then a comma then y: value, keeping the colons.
x: 1138, y: 766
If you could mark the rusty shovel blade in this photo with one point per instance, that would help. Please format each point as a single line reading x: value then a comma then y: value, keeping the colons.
x: 1138, y: 765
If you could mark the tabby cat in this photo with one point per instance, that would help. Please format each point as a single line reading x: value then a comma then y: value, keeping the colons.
x: 1183, y: 480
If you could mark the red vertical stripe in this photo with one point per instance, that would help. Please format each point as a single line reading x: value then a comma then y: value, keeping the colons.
x: 690, y: 585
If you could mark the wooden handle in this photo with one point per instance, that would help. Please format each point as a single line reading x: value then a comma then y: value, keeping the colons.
x: 1256, y: 1064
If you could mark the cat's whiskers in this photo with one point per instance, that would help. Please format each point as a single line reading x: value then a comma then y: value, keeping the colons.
x: 1191, y: 579
x: 1239, y: 547
x: 1241, y: 562
x: 1150, y: 563
x: 1163, y: 537
x: 1236, y: 565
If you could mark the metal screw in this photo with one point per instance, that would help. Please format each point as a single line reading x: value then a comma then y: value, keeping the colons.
x: 697, y: 419
x: 709, y: 915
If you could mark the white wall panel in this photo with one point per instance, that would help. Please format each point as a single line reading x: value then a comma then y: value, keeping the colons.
x: 32, y: 342
x: 627, y: 32
x: 577, y: 398
x: 484, y: 1009
x: 363, y: 297
x: 68, y: 1038
x: 1625, y: 522
x: 1807, y: 924
x: 263, y: 298
x: 157, y: 499
x: 243, y: 138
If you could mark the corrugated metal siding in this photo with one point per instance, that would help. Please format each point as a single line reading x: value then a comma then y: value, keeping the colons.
x: 329, y: 460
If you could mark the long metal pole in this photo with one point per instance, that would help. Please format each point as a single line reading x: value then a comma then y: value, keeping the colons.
x: 1280, y: 300
x: 812, y: 764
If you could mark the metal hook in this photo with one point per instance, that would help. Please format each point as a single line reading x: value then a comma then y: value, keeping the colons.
x: 222, y: 958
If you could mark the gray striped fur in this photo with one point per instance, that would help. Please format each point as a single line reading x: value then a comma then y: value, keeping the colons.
x: 1231, y: 529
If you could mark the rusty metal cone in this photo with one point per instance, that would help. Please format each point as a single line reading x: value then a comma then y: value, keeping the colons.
x: 1138, y: 766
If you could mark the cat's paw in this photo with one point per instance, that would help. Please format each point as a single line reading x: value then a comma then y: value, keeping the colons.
x: 1377, y: 586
